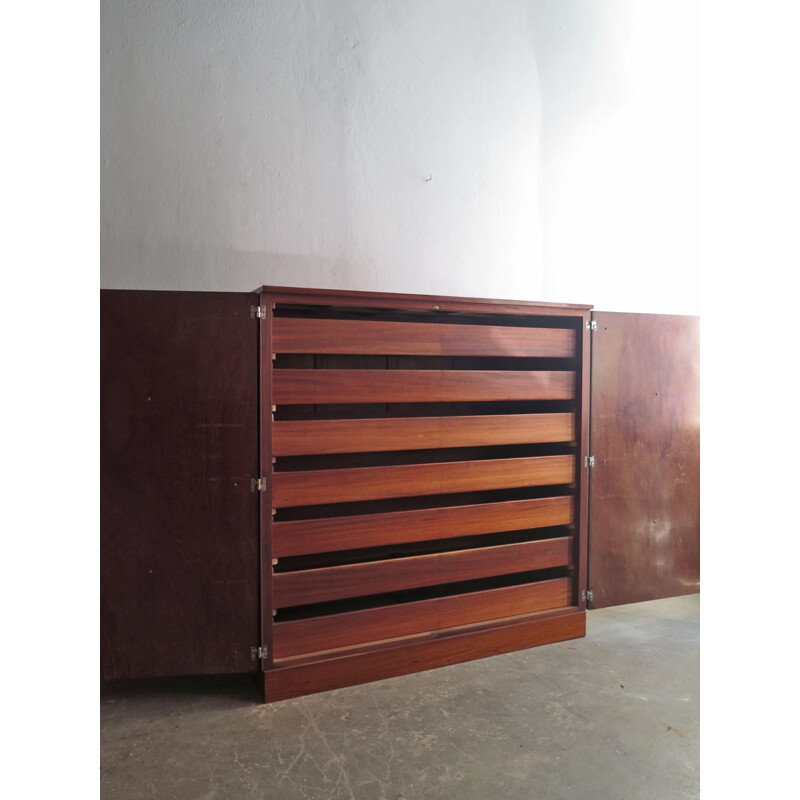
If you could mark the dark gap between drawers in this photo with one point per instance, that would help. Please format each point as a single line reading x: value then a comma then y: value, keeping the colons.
x: 288, y: 513
x: 387, y: 458
x: 425, y: 593
x: 410, y: 549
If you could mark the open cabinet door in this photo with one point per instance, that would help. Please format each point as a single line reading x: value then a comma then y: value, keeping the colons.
x: 644, y: 515
x: 178, y: 447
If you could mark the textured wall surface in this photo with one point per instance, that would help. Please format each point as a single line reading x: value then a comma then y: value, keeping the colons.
x: 532, y: 149
x: 619, y: 143
x: 364, y: 145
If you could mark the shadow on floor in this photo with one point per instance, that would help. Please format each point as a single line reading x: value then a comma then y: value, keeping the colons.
x: 241, y: 689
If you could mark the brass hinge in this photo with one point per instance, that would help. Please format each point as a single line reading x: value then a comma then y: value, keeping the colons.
x: 591, y: 325
x: 588, y: 462
x: 258, y: 484
x: 258, y: 652
x: 587, y: 595
x: 258, y: 312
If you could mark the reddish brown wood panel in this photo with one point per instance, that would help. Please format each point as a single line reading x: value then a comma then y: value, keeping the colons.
x: 389, y: 622
x: 293, y: 680
x: 179, y: 524
x: 645, y: 488
x: 299, y: 537
x: 266, y: 420
x: 408, y: 480
x: 376, y: 577
x: 371, y: 348
x: 418, y: 386
x: 419, y: 338
x: 422, y: 302
x: 305, y: 437
x: 582, y: 478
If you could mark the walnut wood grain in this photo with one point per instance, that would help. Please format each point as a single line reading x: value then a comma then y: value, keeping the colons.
x: 373, y: 348
x: 645, y: 487
x: 178, y: 522
x: 303, y: 386
x: 266, y: 420
x: 388, y: 622
x: 306, y: 437
x: 301, y: 537
x: 376, y: 577
x: 583, y: 391
x: 448, y: 647
x: 314, y: 487
x: 419, y: 338
x: 391, y: 300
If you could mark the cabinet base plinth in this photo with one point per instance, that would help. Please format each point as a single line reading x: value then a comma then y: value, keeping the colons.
x: 401, y: 658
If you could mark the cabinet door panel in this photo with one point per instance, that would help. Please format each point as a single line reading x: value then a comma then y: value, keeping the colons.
x: 179, y: 524
x: 644, y: 520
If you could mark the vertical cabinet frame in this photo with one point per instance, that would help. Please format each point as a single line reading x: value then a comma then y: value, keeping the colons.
x: 265, y: 416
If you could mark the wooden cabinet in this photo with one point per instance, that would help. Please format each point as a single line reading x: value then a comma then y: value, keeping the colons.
x: 423, y: 465
x: 326, y: 488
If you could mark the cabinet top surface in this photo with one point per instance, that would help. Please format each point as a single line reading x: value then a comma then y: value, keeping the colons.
x: 298, y: 294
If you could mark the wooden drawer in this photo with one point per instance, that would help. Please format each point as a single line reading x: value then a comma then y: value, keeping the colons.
x: 336, y: 631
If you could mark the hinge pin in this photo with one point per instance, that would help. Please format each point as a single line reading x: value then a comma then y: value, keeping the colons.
x: 258, y: 484
x: 258, y: 652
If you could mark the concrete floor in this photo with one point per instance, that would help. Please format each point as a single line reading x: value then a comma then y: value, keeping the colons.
x: 614, y: 716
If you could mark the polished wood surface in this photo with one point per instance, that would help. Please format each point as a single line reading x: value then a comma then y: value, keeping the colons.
x: 410, y: 386
x: 304, y: 437
x: 583, y: 376
x: 266, y: 430
x: 341, y: 481
x: 196, y: 565
x: 289, y: 679
x: 408, y: 480
x: 178, y: 446
x: 299, y: 537
x: 424, y: 302
x: 376, y: 577
x: 645, y: 487
x: 388, y: 622
x: 419, y: 338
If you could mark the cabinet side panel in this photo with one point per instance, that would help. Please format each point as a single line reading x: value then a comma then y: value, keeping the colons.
x: 266, y: 459
x: 582, y: 499
x: 179, y: 524
x: 644, y: 534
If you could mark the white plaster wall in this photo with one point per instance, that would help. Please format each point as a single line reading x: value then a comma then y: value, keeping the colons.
x: 619, y: 143
x: 365, y: 145
x: 532, y: 149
